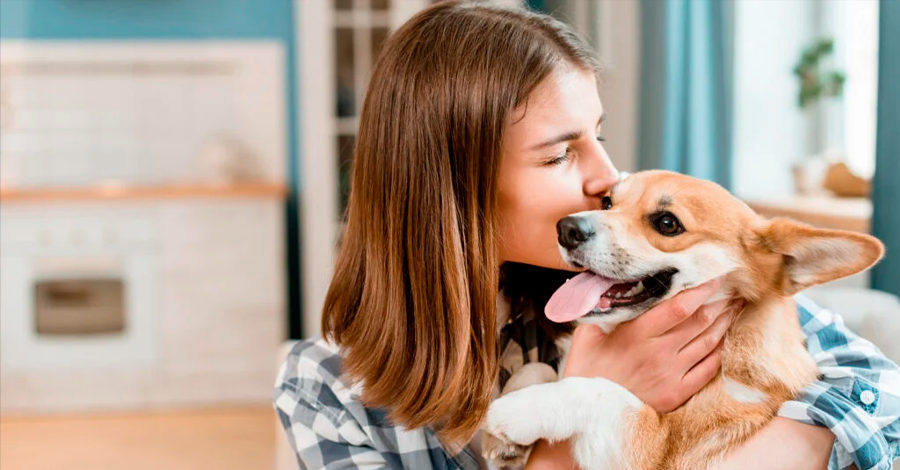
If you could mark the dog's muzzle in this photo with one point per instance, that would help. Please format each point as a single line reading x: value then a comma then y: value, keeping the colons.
x: 572, y: 231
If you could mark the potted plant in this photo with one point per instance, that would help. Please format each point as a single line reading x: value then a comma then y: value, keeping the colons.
x: 817, y: 84
x: 819, y: 93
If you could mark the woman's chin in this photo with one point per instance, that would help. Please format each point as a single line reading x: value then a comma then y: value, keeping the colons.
x: 558, y: 265
x: 555, y: 261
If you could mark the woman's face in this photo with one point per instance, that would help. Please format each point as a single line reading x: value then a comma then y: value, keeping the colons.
x: 553, y: 164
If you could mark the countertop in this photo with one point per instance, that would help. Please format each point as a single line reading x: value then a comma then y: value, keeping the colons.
x: 114, y: 192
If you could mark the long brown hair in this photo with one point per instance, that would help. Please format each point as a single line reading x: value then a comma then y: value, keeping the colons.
x: 413, y: 299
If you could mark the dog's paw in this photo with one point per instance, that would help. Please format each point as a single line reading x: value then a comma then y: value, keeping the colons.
x: 511, y: 418
x: 503, y: 453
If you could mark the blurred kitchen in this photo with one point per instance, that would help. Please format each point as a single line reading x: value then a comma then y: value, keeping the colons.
x: 173, y: 174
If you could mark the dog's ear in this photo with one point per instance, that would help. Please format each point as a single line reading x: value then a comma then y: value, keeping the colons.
x: 814, y: 256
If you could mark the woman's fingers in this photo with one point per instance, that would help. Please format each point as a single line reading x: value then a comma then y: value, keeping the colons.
x: 586, y: 341
x: 701, y: 321
x: 701, y: 345
x: 700, y: 375
x: 662, y: 318
x: 587, y: 336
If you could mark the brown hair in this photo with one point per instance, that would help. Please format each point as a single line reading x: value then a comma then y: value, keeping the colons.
x: 413, y: 299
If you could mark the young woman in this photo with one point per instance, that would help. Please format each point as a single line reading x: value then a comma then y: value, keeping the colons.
x: 481, y: 128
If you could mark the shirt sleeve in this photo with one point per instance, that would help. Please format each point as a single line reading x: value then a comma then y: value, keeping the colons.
x: 858, y: 396
x: 322, y: 434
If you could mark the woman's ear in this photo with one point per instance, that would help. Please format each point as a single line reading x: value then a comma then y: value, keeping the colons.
x: 814, y: 256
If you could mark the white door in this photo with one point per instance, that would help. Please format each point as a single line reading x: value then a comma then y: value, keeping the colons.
x: 337, y: 42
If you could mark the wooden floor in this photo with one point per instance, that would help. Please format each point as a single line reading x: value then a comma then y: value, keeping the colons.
x: 220, y: 439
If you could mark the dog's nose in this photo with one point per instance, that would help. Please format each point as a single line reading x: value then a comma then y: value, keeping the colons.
x: 572, y: 231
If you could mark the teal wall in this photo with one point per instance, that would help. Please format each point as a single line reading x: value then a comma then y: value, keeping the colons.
x: 886, y: 191
x: 146, y: 19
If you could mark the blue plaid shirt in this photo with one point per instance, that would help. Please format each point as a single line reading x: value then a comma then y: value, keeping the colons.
x: 858, y: 399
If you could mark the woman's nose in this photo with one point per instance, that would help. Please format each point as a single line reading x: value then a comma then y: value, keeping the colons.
x: 600, y: 174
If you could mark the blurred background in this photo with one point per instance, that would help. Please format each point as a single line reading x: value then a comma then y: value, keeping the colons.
x: 173, y: 174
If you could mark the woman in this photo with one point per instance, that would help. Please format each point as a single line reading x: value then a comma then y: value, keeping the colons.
x: 481, y: 129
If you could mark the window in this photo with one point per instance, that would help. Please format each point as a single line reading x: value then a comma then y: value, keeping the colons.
x: 854, y: 25
x: 771, y: 133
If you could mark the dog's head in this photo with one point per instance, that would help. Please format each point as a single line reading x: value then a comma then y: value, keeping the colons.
x: 659, y: 233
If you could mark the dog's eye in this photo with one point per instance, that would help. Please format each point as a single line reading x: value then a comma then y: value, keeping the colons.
x: 667, y: 224
x: 606, y: 203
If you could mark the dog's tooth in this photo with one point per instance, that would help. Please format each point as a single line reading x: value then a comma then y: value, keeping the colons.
x: 639, y: 288
x: 618, y: 295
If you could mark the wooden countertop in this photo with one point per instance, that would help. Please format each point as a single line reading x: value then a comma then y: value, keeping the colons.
x: 116, y: 192
x: 819, y: 210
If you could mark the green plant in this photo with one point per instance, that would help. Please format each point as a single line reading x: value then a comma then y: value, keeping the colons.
x: 815, y: 83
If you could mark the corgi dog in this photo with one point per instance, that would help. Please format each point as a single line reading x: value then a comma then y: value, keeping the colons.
x: 659, y: 233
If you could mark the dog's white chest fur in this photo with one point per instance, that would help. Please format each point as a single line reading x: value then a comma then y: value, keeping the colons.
x: 743, y: 393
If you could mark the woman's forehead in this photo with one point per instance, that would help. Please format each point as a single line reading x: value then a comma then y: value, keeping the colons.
x: 567, y: 100
x: 562, y: 96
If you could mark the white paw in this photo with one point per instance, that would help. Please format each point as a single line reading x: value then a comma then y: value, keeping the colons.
x: 502, y: 453
x: 509, y: 418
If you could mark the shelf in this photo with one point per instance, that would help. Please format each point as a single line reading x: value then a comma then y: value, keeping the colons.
x: 821, y: 210
x: 117, y: 192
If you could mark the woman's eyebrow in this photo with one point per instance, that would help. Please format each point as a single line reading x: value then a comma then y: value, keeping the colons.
x: 565, y: 137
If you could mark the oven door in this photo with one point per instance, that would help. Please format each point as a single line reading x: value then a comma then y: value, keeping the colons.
x: 79, y: 306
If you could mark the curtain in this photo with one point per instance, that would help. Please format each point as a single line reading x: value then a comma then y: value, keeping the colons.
x: 685, y: 94
x: 886, y: 184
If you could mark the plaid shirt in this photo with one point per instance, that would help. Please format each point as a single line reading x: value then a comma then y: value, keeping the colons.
x: 858, y: 399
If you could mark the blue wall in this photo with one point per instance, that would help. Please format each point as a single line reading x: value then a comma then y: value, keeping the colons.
x: 151, y: 19
x: 179, y: 20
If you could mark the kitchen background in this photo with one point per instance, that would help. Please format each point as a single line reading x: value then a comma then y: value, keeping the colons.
x: 173, y: 173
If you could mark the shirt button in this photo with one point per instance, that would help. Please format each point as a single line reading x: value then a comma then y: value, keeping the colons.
x: 867, y: 397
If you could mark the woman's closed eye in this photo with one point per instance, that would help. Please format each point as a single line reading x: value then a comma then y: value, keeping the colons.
x: 560, y: 158
x: 567, y: 154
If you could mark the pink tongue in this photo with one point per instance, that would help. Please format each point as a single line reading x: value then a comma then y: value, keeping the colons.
x: 576, y: 298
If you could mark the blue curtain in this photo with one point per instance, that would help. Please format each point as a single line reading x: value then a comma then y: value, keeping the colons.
x: 886, y: 185
x: 686, y: 65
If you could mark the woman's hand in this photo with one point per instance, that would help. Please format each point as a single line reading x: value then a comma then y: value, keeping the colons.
x: 556, y: 456
x: 664, y: 356
x: 783, y: 444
